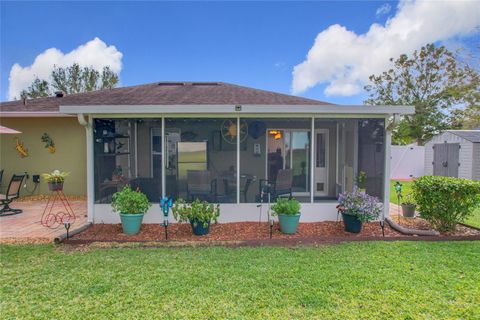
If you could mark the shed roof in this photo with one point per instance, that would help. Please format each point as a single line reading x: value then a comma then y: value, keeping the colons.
x: 470, y: 135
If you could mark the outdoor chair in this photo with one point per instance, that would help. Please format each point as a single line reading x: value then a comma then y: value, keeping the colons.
x: 200, y: 185
x: 282, y: 186
x: 12, y: 193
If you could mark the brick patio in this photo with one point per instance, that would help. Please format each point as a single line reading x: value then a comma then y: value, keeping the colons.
x: 26, y: 226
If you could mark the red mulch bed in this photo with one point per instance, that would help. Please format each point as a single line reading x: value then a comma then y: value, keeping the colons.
x: 239, y: 231
x: 421, y: 224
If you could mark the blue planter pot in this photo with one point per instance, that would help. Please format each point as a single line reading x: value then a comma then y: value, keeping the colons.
x: 288, y: 223
x: 198, y: 229
x: 352, y: 224
x: 131, y: 223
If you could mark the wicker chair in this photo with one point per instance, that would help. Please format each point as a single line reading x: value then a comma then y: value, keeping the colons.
x: 200, y: 185
x: 282, y: 186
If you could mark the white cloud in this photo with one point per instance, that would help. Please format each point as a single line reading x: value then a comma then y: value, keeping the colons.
x: 384, y: 9
x: 344, y: 60
x: 94, y: 53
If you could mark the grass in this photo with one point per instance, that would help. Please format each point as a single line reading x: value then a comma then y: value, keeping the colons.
x: 473, y: 220
x: 370, y: 280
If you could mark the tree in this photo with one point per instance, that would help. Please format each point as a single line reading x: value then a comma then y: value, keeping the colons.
x: 431, y: 80
x: 73, y: 79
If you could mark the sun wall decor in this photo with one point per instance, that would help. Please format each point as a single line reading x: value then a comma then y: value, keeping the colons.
x: 229, y: 130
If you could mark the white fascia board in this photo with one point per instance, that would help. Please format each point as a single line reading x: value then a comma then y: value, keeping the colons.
x: 233, y: 109
x: 19, y: 114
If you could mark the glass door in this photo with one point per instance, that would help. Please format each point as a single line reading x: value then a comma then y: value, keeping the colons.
x: 289, y: 149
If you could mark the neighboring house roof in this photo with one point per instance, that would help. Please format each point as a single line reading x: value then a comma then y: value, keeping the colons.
x: 470, y: 135
x: 162, y: 93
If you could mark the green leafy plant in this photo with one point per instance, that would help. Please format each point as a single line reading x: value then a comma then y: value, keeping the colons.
x: 408, y: 199
x: 129, y: 201
x: 361, y: 178
x: 196, y: 212
x: 55, y: 176
x: 446, y: 201
x: 286, y: 206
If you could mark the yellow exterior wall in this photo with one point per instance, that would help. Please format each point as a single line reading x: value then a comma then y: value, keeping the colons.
x: 69, y: 138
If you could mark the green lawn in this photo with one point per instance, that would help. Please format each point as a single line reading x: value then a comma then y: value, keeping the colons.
x: 382, y: 280
x: 474, y: 220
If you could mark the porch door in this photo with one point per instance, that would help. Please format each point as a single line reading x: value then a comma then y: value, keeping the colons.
x: 321, y: 151
x: 290, y: 149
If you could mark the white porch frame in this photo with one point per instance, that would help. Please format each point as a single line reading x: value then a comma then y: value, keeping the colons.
x: 232, y: 111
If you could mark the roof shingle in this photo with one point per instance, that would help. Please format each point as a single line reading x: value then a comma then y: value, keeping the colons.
x: 163, y: 93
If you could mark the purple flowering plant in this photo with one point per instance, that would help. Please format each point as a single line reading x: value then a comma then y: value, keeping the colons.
x: 360, y: 204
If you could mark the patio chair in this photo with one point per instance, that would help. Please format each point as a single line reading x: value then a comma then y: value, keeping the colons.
x: 200, y: 185
x: 282, y: 186
x: 13, y: 192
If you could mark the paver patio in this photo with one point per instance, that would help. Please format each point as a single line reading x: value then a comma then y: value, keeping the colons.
x: 26, y: 225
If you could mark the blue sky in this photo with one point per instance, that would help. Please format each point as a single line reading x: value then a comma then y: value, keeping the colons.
x: 249, y: 43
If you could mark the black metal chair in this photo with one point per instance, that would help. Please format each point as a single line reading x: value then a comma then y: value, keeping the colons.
x: 13, y: 192
x: 200, y: 185
x: 282, y: 186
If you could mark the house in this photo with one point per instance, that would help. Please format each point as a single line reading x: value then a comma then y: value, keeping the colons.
x: 209, y: 140
x: 454, y: 153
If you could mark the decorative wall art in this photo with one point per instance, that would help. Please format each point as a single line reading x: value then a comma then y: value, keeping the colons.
x: 22, y: 151
x: 49, y: 144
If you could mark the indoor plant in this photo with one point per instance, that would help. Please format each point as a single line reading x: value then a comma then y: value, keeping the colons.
x: 131, y: 205
x: 288, y: 211
x: 358, y: 207
x: 198, y: 213
x: 55, y: 179
x: 360, y: 181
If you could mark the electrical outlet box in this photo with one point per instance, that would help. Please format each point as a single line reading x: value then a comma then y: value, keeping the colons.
x: 36, y: 178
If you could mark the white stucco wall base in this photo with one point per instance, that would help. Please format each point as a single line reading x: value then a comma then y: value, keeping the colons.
x: 311, y: 212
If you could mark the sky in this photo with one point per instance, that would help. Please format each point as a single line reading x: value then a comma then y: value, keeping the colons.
x: 321, y: 50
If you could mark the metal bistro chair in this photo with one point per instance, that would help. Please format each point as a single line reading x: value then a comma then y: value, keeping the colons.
x: 201, y: 186
x: 13, y: 192
x: 282, y: 186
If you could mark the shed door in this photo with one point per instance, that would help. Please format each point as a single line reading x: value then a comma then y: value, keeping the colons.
x: 445, y: 159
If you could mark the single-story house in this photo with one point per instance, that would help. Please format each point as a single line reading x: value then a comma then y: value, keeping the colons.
x: 454, y: 153
x: 210, y: 140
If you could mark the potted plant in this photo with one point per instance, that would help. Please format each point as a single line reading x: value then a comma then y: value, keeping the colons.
x: 55, y: 179
x: 408, y: 207
x: 358, y: 207
x: 131, y: 206
x: 200, y: 214
x: 288, y: 212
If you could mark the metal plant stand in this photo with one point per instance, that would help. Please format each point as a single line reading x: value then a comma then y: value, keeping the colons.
x: 52, y: 218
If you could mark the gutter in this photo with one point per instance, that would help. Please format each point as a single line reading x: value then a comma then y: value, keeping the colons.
x: 26, y: 114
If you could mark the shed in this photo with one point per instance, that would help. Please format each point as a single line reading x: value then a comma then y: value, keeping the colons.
x: 454, y: 153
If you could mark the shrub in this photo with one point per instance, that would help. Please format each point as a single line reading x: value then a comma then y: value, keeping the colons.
x: 128, y: 201
x: 195, y: 212
x: 446, y: 201
x: 357, y: 203
x: 286, y: 206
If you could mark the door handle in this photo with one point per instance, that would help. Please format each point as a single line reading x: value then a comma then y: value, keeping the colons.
x: 445, y: 164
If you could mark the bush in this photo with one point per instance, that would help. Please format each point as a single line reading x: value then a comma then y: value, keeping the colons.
x: 286, y: 206
x: 195, y: 212
x: 128, y: 201
x: 446, y: 201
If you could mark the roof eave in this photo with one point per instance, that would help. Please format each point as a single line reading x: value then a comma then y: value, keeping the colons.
x: 237, y: 109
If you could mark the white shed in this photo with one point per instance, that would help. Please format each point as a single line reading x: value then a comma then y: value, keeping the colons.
x: 454, y: 153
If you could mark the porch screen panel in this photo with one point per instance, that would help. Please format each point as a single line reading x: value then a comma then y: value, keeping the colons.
x: 201, y: 159
x: 127, y: 152
x: 275, y: 151
x: 371, y: 154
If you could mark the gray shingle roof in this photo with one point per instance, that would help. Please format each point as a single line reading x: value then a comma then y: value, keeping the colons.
x: 163, y: 93
x: 470, y: 135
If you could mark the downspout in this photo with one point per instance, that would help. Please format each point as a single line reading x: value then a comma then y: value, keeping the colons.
x: 87, y: 123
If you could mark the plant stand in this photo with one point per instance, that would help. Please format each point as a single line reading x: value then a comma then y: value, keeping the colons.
x: 52, y: 218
